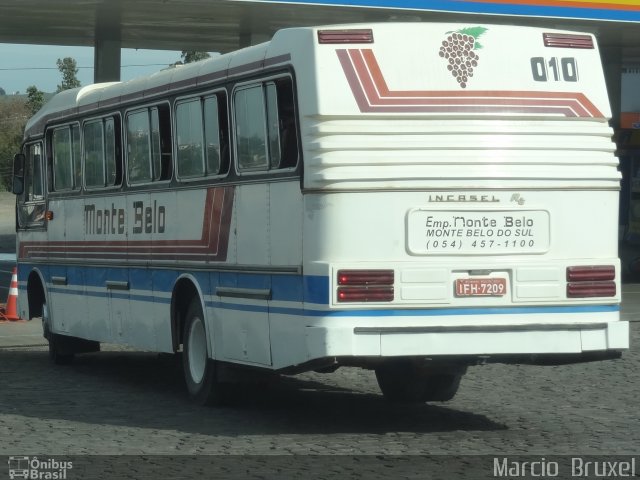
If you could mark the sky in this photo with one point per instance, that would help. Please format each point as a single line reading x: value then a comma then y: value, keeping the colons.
x: 24, y: 65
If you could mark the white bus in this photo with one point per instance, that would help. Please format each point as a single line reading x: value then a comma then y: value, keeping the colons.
x: 408, y: 198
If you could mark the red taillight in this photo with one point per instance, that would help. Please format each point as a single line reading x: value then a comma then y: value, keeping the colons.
x: 365, y: 277
x: 591, y: 273
x: 591, y: 281
x: 591, y: 289
x: 362, y: 35
x: 365, y: 294
x: 567, y: 40
x: 365, y: 285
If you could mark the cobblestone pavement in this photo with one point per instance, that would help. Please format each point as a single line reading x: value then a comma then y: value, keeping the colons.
x: 122, y: 402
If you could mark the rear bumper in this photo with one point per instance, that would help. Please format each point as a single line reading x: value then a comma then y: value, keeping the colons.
x: 555, y: 359
x: 514, y: 343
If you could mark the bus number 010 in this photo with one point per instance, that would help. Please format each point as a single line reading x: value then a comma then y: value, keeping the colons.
x: 544, y: 70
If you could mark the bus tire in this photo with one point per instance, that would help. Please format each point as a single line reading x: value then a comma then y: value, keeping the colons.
x: 406, y: 382
x: 441, y: 387
x: 400, y: 382
x: 57, y: 353
x: 200, y: 371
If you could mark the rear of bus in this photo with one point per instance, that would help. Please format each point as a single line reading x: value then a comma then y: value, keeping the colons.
x: 460, y: 201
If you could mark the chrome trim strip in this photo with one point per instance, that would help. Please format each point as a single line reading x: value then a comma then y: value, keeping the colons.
x: 252, y: 293
x: 528, y: 327
x: 114, y: 285
x: 182, y: 266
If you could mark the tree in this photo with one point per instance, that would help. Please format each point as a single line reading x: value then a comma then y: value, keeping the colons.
x: 35, y: 99
x: 13, y: 117
x: 190, y: 56
x: 69, y: 69
x: 2, y: 92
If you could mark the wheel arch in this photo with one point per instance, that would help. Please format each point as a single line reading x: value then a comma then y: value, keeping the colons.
x: 185, y: 290
x: 36, y: 294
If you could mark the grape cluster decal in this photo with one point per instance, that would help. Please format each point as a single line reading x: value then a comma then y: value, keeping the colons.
x: 458, y: 49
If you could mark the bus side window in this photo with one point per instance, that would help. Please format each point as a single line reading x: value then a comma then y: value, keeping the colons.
x: 251, y: 141
x: 148, y: 145
x: 64, y: 143
x: 94, y: 154
x: 283, y: 136
x: 202, y: 137
x: 62, y: 159
x: 265, y: 126
x: 138, y: 147
x: 189, y: 151
x: 216, y: 134
x: 161, y: 142
x: 37, y: 191
x: 288, y: 131
x: 113, y: 151
x: 76, y: 156
x: 273, y: 125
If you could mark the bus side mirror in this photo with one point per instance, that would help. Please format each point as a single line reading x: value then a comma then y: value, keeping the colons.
x: 18, y: 174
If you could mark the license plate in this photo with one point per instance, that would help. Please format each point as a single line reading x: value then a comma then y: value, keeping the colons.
x: 481, y: 287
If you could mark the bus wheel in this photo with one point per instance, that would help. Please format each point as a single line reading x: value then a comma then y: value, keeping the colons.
x: 57, y: 353
x: 199, y: 370
x: 404, y: 381
x: 441, y: 387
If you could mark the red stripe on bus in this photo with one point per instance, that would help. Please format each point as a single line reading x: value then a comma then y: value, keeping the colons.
x: 212, y: 245
x: 379, y: 94
x: 372, y: 94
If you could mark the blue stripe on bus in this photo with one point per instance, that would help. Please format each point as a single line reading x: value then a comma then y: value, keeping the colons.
x: 311, y: 312
x: 592, y: 13
x: 316, y: 289
x: 284, y: 288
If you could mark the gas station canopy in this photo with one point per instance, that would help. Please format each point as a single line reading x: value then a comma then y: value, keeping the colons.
x: 224, y: 25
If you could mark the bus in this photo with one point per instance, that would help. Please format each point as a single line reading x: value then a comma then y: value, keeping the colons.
x: 412, y: 199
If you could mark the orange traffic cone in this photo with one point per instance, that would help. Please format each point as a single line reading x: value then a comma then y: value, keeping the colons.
x: 11, y: 310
